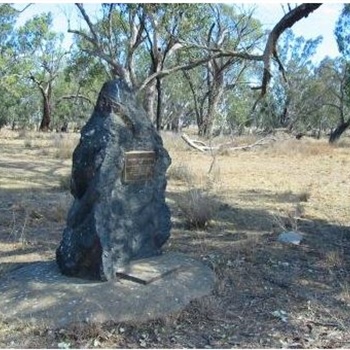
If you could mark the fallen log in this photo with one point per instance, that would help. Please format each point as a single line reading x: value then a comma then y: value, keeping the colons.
x: 202, y: 147
x: 198, y: 145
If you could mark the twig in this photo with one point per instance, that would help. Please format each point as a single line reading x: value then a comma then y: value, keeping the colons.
x: 326, y: 324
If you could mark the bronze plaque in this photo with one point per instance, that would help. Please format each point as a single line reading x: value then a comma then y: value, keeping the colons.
x: 139, y: 166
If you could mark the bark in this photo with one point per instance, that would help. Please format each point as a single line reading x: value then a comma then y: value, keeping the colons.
x: 197, y: 109
x: 46, y: 93
x: 215, y: 94
x: 148, y: 104
x: 338, y: 131
x: 159, y: 104
x: 46, y: 118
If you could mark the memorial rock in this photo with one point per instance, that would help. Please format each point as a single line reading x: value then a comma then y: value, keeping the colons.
x: 118, y: 182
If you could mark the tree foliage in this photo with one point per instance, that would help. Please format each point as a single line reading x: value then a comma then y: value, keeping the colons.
x: 342, y: 34
x: 203, y: 64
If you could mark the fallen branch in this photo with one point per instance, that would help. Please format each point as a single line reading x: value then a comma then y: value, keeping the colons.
x: 260, y: 142
x: 198, y: 145
x: 202, y: 147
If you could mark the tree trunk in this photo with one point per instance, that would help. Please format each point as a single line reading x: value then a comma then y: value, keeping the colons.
x: 159, y: 104
x: 46, y: 93
x: 212, y: 111
x: 46, y: 119
x: 175, y: 124
x: 150, y: 96
x: 338, y: 131
x: 215, y: 93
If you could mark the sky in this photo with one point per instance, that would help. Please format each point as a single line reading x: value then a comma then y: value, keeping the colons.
x: 320, y: 22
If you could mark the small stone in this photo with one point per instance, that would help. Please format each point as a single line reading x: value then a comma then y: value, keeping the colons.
x: 143, y: 343
x: 63, y: 345
x: 96, y: 343
x: 290, y: 237
x: 281, y: 314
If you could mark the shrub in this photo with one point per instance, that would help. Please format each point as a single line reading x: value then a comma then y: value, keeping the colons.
x: 198, y: 207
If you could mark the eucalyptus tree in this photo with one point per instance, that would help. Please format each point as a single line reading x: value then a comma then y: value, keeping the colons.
x: 342, y: 34
x: 8, y: 17
x: 333, y: 76
x: 213, y: 83
x: 42, y: 52
x: 177, y: 107
x: 135, y: 42
x: 73, y: 102
x: 293, y: 90
x: 79, y: 85
x: 126, y: 37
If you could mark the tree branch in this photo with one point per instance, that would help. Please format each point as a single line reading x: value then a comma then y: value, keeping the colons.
x: 24, y: 8
x: 71, y: 97
x: 99, y: 52
x: 94, y: 40
x: 87, y: 20
x: 197, y: 63
x: 286, y: 22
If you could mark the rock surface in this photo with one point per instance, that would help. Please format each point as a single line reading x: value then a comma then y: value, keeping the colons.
x: 119, y: 214
x: 38, y: 293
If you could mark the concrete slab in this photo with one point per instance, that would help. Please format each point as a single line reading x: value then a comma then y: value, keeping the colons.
x: 155, y: 287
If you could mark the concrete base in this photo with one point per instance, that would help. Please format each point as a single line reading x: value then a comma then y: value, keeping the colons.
x: 149, y: 288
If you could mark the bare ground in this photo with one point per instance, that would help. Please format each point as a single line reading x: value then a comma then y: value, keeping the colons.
x: 267, y: 294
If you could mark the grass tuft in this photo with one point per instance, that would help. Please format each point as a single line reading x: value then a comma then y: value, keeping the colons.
x: 28, y: 143
x: 180, y: 173
x: 303, y: 196
x: 198, y: 207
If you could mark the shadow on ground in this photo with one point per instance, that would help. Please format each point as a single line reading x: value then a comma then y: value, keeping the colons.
x: 267, y: 289
x: 267, y: 294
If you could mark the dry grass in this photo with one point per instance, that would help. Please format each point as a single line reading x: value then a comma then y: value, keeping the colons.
x: 28, y: 143
x: 248, y: 198
x: 304, y: 196
x: 300, y: 148
x: 65, y: 182
x: 180, y: 173
x: 198, y: 207
x: 64, y: 145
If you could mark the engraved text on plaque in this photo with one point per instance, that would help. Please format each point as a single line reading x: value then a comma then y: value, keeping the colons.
x: 139, y: 166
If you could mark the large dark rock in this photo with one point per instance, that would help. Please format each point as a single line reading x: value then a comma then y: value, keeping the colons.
x: 119, y: 212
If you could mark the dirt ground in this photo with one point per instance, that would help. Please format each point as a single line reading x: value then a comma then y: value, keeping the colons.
x: 267, y: 295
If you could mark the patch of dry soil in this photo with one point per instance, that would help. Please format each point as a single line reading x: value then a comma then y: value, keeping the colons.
x: 267, y: 294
